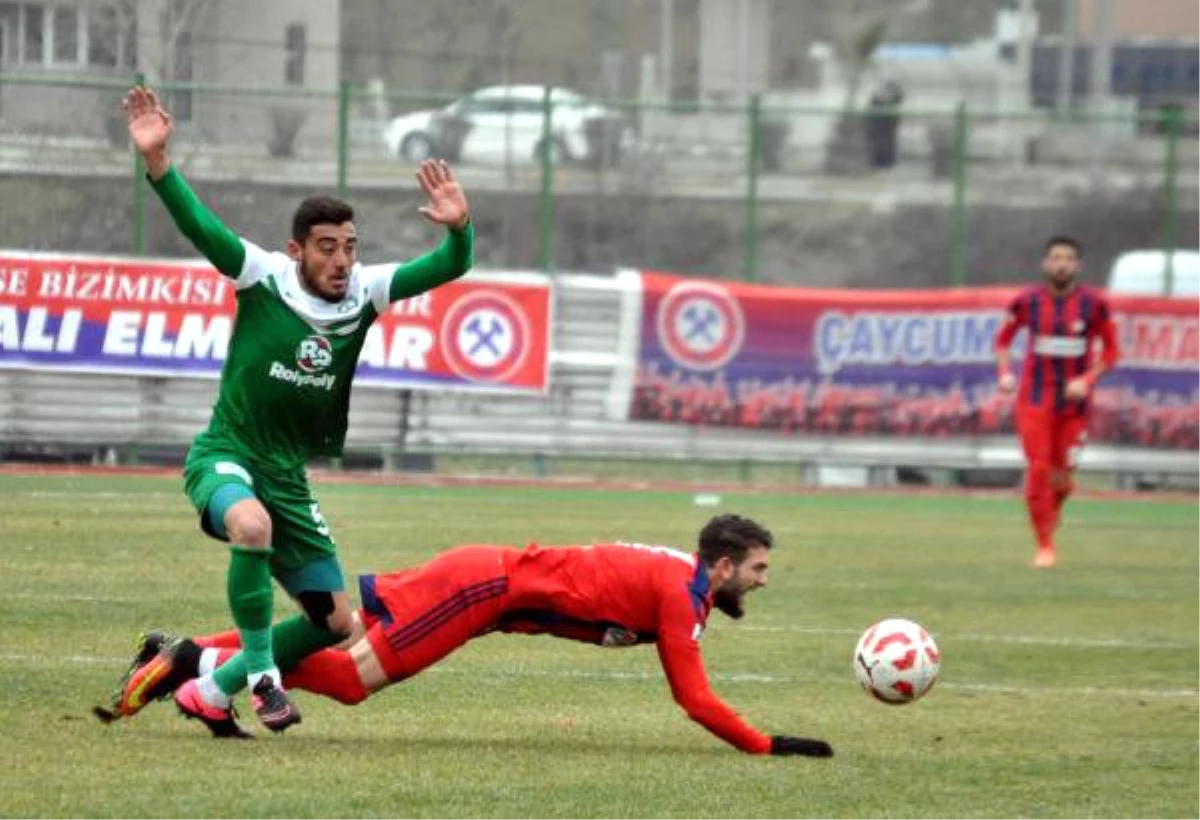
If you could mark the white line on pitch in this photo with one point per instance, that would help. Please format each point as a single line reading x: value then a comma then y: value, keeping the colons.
x: 133, y: 498
x: 1024, y: 640
x: 727, y: 677
x: 736, y: 677
x: 1030, y: 640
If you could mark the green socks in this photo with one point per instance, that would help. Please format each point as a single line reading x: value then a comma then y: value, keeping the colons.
x: 264, y: 647
x: 295, y: 638
x: 251, y: 598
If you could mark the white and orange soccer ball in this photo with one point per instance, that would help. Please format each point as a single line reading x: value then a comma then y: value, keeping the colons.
x: 897, y: 661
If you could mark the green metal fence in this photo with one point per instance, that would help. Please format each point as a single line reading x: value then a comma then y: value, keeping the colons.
x: 764, y: 191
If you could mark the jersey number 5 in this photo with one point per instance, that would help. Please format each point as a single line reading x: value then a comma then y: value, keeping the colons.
x: 322, y: 526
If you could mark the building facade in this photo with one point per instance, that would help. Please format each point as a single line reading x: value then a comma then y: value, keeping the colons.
x: 57, y: 58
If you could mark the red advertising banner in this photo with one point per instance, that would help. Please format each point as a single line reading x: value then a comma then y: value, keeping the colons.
x: 912, y: 363
x: 485, y: 332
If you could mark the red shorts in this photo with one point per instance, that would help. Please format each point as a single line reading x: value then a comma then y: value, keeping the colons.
x: 1053, y: 438
x: 416, y: 617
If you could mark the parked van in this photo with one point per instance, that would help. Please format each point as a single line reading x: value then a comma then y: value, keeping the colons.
x: 1144, y: 273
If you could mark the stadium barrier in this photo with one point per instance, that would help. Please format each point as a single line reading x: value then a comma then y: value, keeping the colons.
x: 592, y: 341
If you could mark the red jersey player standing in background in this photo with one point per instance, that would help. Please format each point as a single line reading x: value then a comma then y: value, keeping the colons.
x: 1064, y: 319
x: 611, y: 594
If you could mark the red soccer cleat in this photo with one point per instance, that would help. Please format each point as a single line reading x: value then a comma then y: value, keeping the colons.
x: 221, y: 722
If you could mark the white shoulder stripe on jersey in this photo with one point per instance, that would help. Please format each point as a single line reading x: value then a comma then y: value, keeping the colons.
x: 677, y: 554
x: 368, y: 286
x: 258, y: 265
x: 377, y: 282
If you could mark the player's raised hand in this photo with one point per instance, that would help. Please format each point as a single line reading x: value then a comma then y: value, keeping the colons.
x: 1006, y: 383
x: 150, y: 125
x: 806, y: 746
x: 447, y: 203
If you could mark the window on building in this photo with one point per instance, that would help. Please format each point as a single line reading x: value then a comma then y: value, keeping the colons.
x: 34, y: 25
x: 181, y: 101
x: 103, y: 37
x: 10, y: 24
x: 40, y: 34
x: 129, y: 35
x: 65, y: 34
x: 295, y: 46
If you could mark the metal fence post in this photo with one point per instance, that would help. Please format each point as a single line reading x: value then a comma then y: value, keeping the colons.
x: 139, y: 192
x: 546, y: 155
x: 958, y: 268
x: 343, y: 138
x: 753, y: 167
x: 1173, y: 125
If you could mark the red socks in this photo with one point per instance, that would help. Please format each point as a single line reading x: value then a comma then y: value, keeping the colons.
x: 329, y: 672
x: 1043, y: 505
x: 221, y: 640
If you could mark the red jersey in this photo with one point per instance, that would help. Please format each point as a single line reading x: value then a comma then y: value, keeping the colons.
x: 606, y: 594
x: 625, y: 594
x: 1062, y: 342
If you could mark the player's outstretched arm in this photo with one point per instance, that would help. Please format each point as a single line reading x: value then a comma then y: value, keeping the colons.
x: 684, y: 668
x: 150, y: 128
x: 446, y: 205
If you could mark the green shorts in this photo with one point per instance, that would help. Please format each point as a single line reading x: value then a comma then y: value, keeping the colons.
x: 300, y: 536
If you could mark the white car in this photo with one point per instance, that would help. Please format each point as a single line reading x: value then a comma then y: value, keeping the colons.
x: 503, y: 124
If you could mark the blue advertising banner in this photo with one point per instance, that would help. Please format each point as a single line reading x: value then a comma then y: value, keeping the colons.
x: 911, y: 363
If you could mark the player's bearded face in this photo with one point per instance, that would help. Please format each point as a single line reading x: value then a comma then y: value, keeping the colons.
x: 1060, y: 265
x: 728, y: 599
x: 325, y: 260
x: 747, y: 576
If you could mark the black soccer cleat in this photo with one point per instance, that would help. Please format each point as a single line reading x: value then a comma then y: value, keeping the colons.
x: 271, y: 704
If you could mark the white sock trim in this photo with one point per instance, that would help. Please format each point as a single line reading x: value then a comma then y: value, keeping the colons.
x: 212, y: 694
x: 254, y: 677
x: 208, y: 660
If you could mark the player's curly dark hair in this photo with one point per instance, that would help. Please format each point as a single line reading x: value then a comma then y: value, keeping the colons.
x: 319, y: 210
x: 733, y: 536
x: 1067, y: 241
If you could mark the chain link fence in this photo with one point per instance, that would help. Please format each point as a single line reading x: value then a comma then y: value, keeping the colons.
x: 882, y: 197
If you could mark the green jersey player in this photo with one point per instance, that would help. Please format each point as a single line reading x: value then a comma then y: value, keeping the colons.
x: 302, y: 318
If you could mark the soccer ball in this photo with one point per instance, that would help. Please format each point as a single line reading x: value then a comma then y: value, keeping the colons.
x: 896, y: 661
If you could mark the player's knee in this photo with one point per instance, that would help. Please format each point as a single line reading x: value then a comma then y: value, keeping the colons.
x: 322, y: 610
x: 352, y: 696
x: 341, y: 622
x: 249, y: 524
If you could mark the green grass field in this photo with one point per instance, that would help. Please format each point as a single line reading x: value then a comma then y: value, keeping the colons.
x: 1064, y: 693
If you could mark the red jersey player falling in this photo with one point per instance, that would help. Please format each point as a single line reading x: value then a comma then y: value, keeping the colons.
x: 614, y: 594
x: 1065, y: 320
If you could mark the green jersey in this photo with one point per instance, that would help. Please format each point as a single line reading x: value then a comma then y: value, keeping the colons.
x: 285, y: 385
